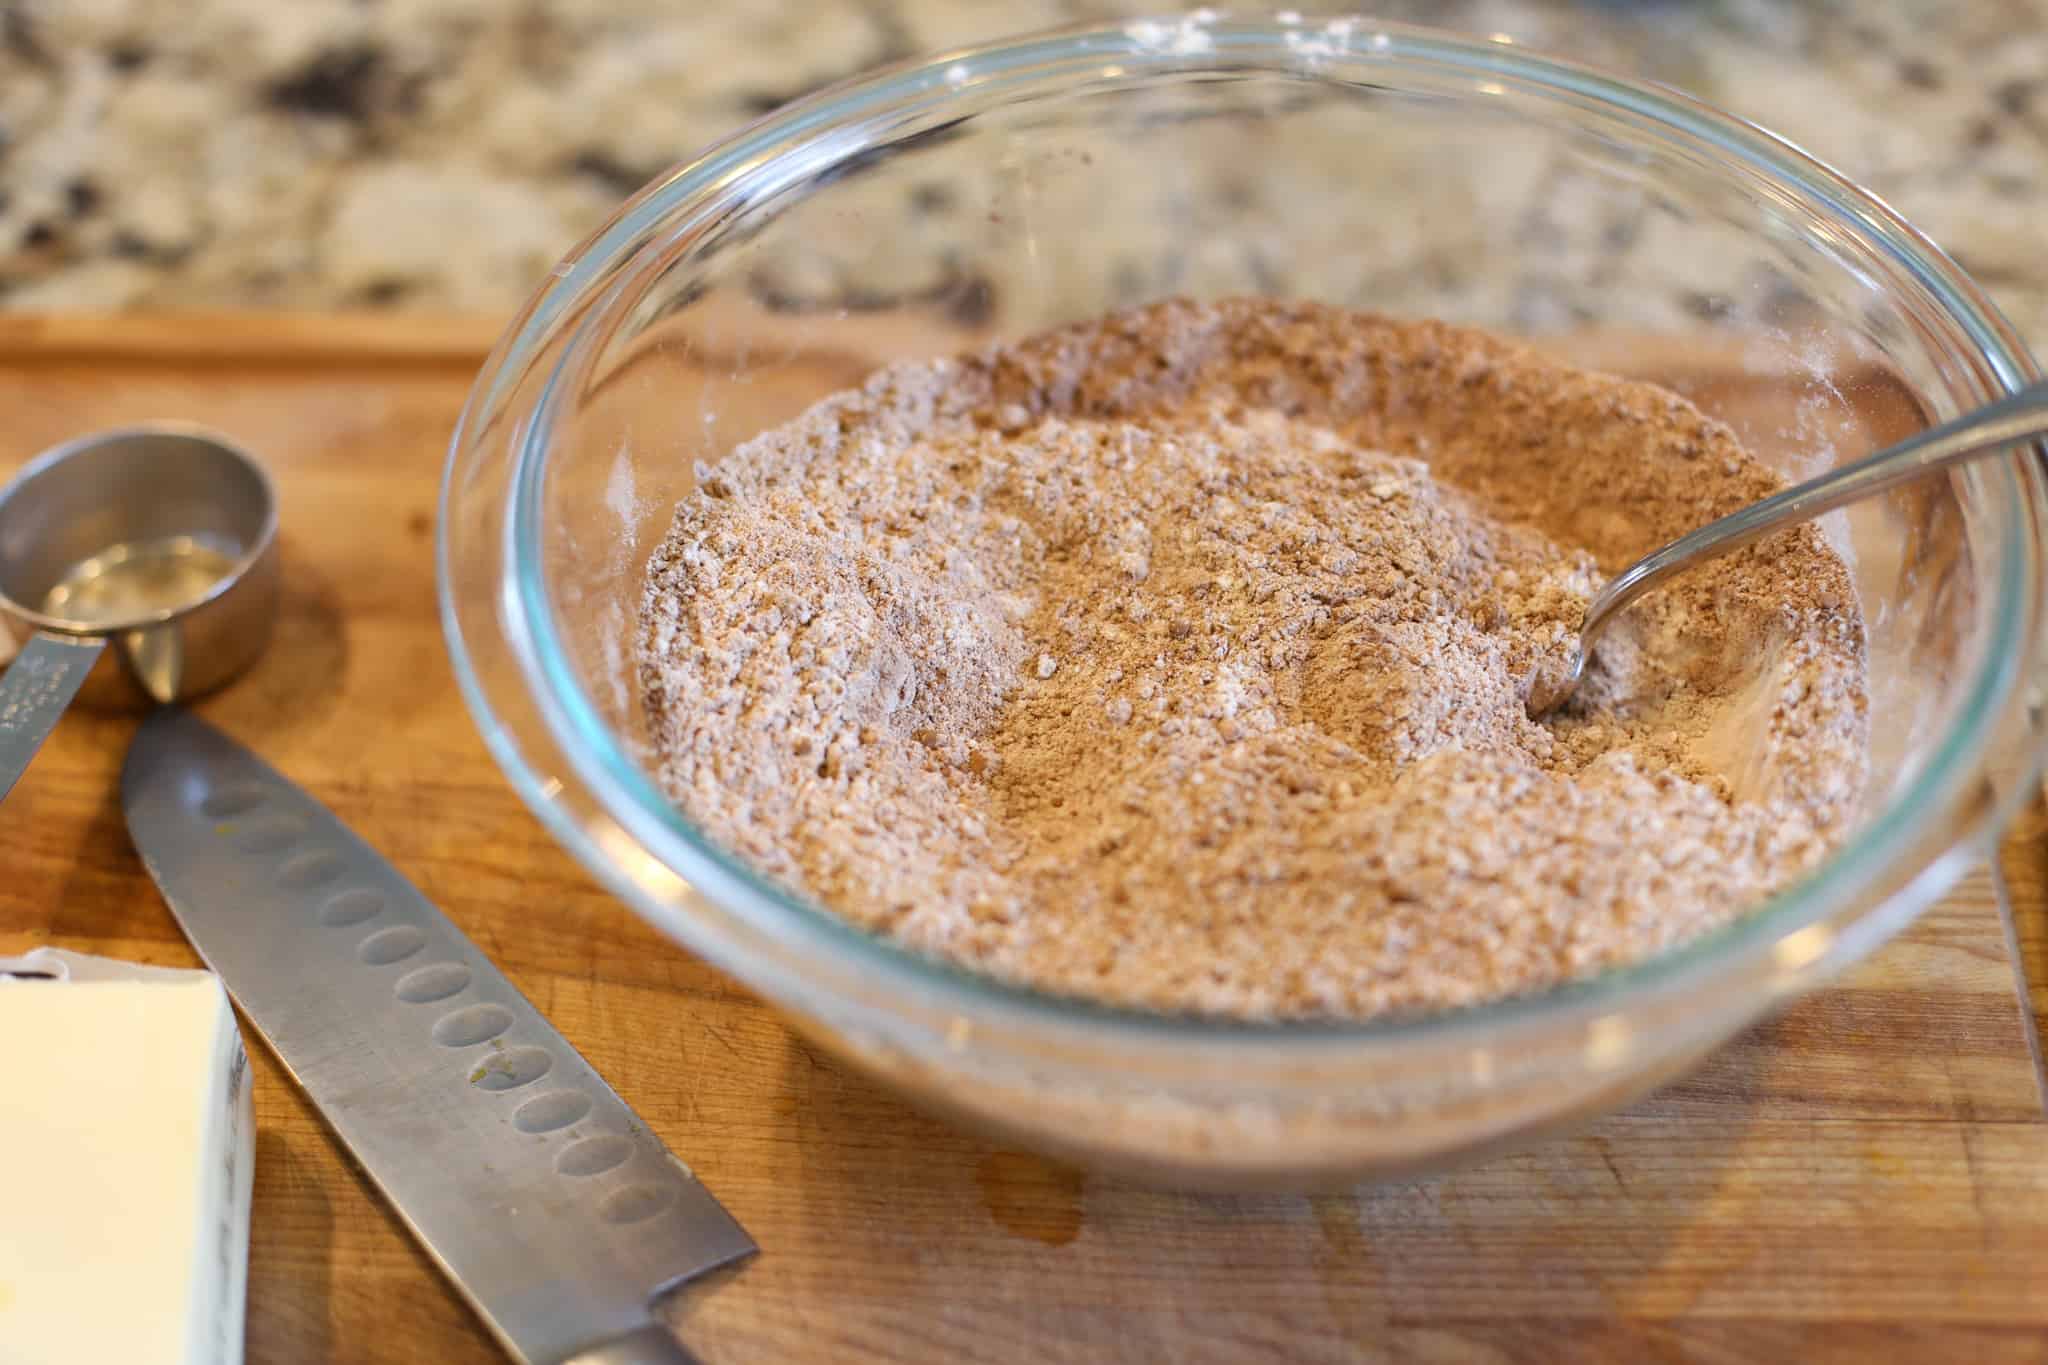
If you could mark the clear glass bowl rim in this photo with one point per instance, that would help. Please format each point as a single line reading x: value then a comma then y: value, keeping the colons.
x: 1053, y: 59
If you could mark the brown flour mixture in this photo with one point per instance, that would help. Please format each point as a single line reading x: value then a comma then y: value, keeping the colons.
x: 1180, y: 660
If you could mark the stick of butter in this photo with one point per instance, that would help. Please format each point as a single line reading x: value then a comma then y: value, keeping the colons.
x: 126, y: 1159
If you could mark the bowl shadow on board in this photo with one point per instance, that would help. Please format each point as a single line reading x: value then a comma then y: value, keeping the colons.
x: 881, y: 1213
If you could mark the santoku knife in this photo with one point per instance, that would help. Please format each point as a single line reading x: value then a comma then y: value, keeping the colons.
x: 547, y: 1201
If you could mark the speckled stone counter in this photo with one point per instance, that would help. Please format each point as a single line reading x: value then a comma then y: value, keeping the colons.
x: 439, y: 155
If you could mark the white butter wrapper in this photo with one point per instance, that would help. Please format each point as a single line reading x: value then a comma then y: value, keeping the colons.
x: 127, y: 1155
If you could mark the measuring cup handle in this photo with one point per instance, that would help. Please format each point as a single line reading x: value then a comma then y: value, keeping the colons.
x: 34, y: 691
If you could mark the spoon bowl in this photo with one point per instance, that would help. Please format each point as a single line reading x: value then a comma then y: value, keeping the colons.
x: 1983, y: 431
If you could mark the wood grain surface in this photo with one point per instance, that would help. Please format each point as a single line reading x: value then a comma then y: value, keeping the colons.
x: 1864, y: 1178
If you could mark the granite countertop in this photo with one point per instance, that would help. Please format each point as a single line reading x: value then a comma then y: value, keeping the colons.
x: 323, y: 154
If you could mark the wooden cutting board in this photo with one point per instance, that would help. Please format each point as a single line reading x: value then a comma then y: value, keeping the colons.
x: 1864, y: 1178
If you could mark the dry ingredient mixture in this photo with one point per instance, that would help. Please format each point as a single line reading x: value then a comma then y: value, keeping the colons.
x: 1180, y: 659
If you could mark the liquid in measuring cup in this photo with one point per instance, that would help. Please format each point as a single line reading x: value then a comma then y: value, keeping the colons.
x: 138, y: 579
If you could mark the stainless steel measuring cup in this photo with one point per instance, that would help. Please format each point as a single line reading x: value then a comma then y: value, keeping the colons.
x: 156, y: 545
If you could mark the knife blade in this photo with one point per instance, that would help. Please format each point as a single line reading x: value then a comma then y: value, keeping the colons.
x: 548, y: 1203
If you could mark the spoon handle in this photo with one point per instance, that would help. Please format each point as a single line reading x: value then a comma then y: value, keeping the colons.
x: 34, y: 691
x: 1982, y: 431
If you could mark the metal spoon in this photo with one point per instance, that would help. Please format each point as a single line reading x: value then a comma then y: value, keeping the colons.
x: 159, y: 540
x: 1986, y: 430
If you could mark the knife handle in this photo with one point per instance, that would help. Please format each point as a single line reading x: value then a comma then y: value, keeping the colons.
x: 649, y: 1345
x: 36, y: 688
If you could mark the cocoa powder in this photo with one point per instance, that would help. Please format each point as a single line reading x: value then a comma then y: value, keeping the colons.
x: 1179, y: 660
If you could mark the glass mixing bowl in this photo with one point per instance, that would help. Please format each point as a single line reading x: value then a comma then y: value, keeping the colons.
x: 994, y: 191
